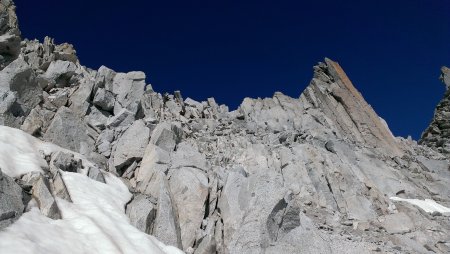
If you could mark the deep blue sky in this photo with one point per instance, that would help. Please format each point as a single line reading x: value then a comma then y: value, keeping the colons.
x: 391, y: 50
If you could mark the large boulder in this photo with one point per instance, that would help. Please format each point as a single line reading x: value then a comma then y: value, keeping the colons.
x: 18, y: 78
x: 166, y: 227
x: 189, y: 187
x: 155, y: 164
x: 37, y: 121
x: 166, y: 136
x: 97, y: 118
x: 68, y: 131
x: 187, y: 155
x: 122, y: 118
x: 151, y: 104
x: 128, y: 89
x: 80, y: 100
x: 58, y: 74
x: 104, y: 99
x: 131, y: 146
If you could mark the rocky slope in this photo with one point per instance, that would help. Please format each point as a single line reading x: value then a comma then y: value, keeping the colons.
x: 321, y: 173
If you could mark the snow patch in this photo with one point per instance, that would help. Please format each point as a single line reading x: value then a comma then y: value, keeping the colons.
x: 21, y: 153
x: 428, y: 205
x: 94, y: 223
x: 18, y: 152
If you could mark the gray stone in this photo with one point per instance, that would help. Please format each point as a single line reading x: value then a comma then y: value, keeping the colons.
x: 128, y: 88
x: 46, y: 202
x: 166, y: 136
x: 40, y: 55
x: 187, y: 155
x: 129, y: 172
x: 58, y: 74
x: 18, y: 77
x: 330, y: 147
x: 9, y: 46
x: 28, y: 180
x: 123, y: 118
x: 8, y: 98
x: 104, y: 99
x: 79, y: 100
x: 104, y: 142
x: 65, y: 162
x: 59, y: 187
x: 142, y: 213
x: 154, y: 165
x: 59, y: 98
x: 68, y: 131
x: 152, y: 104
x: 166, y: 227
x: 97, y: 175
x: 105, y: 77
x: 189, y: 187
x: 190, y: 102
x: 131, y: 145
x: 11, y: 206
x: 65, y: 52
x: 37, y: 121
x: 207, y: 245
x: 97, y: 118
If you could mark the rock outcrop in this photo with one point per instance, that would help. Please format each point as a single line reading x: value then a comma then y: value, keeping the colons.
x: 320, y: 173
x: 437, y: 135
x: 9, y: 33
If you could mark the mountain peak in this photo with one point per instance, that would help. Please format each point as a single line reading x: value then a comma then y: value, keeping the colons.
x: 334, y: 94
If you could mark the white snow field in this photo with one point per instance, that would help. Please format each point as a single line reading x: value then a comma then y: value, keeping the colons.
x: 94, y: 223
x: 428, y: 205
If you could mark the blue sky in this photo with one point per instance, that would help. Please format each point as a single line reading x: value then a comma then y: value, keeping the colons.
x: 391, y: 50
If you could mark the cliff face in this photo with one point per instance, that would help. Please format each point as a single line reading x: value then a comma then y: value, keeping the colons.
x: 437, y: 135
x: 321, y: 173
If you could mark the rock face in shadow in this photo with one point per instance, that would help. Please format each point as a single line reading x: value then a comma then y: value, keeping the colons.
x: 437, y: 135
x: 313, y: 174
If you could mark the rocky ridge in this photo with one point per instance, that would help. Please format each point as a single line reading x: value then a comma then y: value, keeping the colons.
x: 314, y: 174
x: 437, y: 135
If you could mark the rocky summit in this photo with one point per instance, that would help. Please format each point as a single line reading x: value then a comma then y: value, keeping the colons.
x: 96, y: 161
